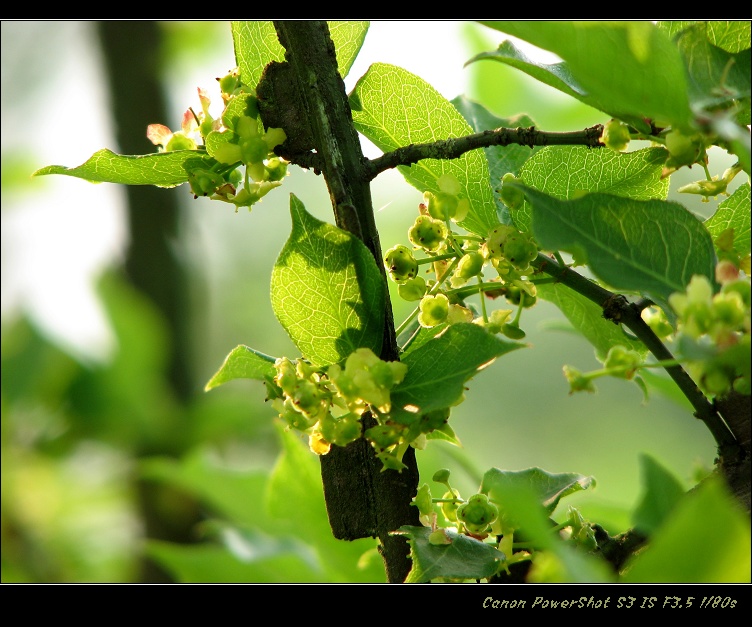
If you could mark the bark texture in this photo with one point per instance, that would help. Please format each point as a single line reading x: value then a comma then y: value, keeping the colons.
x: 362, y: 500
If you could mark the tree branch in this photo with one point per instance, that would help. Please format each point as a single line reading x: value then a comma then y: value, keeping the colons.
x: 455, y: 147
x: 620, y: 311
x: 362, y: 499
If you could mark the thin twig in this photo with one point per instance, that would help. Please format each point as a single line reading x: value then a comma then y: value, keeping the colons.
x: 455, y: 147
x: 620, y: 311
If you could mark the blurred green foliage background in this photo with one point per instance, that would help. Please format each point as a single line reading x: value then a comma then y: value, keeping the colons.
x: 119, y: 305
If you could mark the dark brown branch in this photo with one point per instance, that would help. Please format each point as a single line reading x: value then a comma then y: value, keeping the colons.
x: 620, y: 311
x: 362, y: 500
x: 458, y: 146
x: 455, y: 147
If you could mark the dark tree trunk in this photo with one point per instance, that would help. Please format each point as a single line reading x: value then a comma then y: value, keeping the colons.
x: 131, y: 51
x: 362, y: 500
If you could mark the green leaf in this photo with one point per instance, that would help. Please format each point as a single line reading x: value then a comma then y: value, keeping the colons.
x: 705, y: 539
x: 651, y: 247
x: 438, y: 370
x: 327, y: 291
x: 662, y: 490
x: 556, y: 75
x: 501, y: 159
x: 666, y: 386
x: 737, y: 138
x: 256, y: 45
x: 243, y: 363
x: 248, y: 544
x: 422, y: 335
x: 587, y: 318
x: 394, y: 108
x: 732, y: 36
x: 733, y: 213
x: 163, y: 169
x: 631, y: 68
x: 569, y: 171
x: 463, y: 558
x: 717, y: 78
x: 295, y: 492
x: 445, y: 433
x: 224, y: 492
x: 348, y: 38
x: 548, y: 488
x: 210, y: 563
x: 525, y: 500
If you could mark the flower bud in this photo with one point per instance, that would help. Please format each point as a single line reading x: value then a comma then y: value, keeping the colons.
x: 520, y: 249
x: 449, y: 508
x: 427, y: 233
x: 441, y: 206
x: 412, y: 289
x: 623, y: 361
x: 478, y: 513
x: 496, y: 239
x: 400, y: 263
x: 683, y: 149
x: 470, y: 265
x: 615, y: 135
x: 433, y: 310
x: 511, y: 197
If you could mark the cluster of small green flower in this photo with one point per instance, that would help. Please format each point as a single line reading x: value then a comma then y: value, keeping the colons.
x: 327, y: 404
x: 457, y: 260
x: 235, y: 139
x: 713, y: 332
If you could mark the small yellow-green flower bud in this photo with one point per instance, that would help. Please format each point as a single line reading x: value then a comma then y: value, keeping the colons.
x: 615, y: 135
x: 433, y: 310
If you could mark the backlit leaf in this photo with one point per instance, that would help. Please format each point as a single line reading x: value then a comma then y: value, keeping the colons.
x: 163, y: 169
x: 327, y: 291
x: 243, y: 363
x: 394, y: 108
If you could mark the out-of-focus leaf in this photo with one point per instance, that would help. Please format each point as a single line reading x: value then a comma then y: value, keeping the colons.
x: 210, y: 563
x: 717, y: 78
x: 227, y: 493
x: 587, y: 318
x: 661, y: 492
x: 705, y: 539
x: 525, y: 500
x: 631, y: 69
x: 295, y: 498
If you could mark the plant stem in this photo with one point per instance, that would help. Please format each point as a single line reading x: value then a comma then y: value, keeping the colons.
x: 457, y: 146
x: 362, y: 499
x: 617, y: 309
